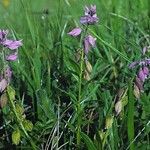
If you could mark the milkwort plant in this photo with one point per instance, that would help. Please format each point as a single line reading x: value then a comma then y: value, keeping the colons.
x: 8, y: 53
x: 143, y: 72
x: 12, y: 110
x: 87, y: 42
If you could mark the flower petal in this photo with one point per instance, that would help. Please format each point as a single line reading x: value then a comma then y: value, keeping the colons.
x: 88, y: 20
x: 86, y: 46
x: 12, y: 44
x: 12, y: 57
x: 86, y: 10
x: 75, y: 32
x: 3, y: 35
x: 141, y: 75
x: 90, y: 16
x: 146, y: 70
x: 91, y: 40
x: 133, y: 64
x: 8, y: 73
x: 139, y: 84
x: 147, y: 60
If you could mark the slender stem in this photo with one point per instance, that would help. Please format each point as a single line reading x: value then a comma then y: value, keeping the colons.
x: 3, y: 59
x: 130, y: 121
x: 79, y: 119
x: 79, y: 100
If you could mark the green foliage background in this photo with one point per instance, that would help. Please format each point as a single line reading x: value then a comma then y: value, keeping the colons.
x: 45, y: 77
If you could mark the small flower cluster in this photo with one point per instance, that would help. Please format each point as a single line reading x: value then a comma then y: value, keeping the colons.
x: 9, y: 47
x: 89, y: 18
x: 10, y: 44
x: 143, y: 72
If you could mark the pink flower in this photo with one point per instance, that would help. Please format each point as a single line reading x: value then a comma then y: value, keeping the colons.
x: 8, y: 73
x: 143, y: 74
x: 12, y: 44
x: 90, y: 10
x: 88, y: 20
x: 75, y: 32
x: 90, y: 16
x: 89, y: 42
x: 3, y: 34
x: 12, y: 57
x: 133, y: 64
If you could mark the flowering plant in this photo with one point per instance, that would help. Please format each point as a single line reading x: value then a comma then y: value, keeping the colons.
x: 89, y: 18
x: 143, y: 71
x: 87, y: 42
x: 8, y: 52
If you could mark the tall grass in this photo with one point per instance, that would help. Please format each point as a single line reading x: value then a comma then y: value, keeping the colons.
x: 48, y: 82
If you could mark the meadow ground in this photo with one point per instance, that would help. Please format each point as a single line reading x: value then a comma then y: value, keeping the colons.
x: 61, y: 97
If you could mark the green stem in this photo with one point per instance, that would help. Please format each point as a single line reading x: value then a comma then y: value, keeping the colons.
x: 79, y: 111
x: 79, y: 100
x: 130, y: 121
x: 79, y: 119
x: 3, y: 59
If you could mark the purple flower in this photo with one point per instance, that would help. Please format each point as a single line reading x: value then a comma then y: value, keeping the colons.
x: 90, y: 10
x: 12, y: 44
x: 89, y: 41
x: 8, y: 74
x: 143, y: 62
x: 12, y: 57
x: 90, y: 16
x: 147, y: 61
x: 3, y: 34
x: 139, y: 84
x: 143, y: 74
x: 75, y: 32
x: 146, y: 70
x: 133, y: 64
x: 141, y: 77
x: 88, y: 20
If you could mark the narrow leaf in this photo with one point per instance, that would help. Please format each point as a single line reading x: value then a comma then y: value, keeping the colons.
x: 90, y: 145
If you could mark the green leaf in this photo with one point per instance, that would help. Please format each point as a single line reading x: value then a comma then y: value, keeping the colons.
x: 3, y: 100
x: 90, y: 145
x: 145, y: 100
x: 11, y: 93
x: 19, y: 109
x: 28, y: 125
x: 73, y: 68
x: 91, y: 93
x: 118, y: 107
x: 16, y: 137
x: 109, y: 122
